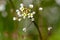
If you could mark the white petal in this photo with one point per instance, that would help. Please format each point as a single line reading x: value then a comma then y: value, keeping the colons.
x: 28, y: 16
x: 21, y: 5
x: 21, y: 8
x: 49, y: 28
x: 32, y: 19
x: 31, y: 16
x: 19, y: 19
x: 24, y: 17
x: 18, y: 13
x: 17, y: 10
x: 14, y: 18
x: 23, y: 14
x: 24, y: 29
x: 33, y: 12
x: 41, y: 8
x: 30, y: 6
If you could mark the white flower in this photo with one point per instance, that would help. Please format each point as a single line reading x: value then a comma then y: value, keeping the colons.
x: 17, y: 10
x: 32, y: 19
x: 33, y: 12
x: 49, y: 28
x: 14, y: 18
x: 24, y: 15
x: 24, y: 29
x: 24, y: 12
x: 21, y: 5
x: 18, y: 13
x: 30, y: 15
x: 41, y: 8
x: 22, y: 8
x: 19, y: 19
x: 30, y: 6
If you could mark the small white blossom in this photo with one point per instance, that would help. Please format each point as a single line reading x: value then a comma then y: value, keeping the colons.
x: 21, y: 5
x: 19, y: 19
x: 24, y: 12
x: 30, y: 6
x: 24, y: 29
x: 30, y: 15
x: 41, y: 8
x: 24, y: 17
x: 17, y: 10
x: 49, y: 28
x: 14, y: 18
x: 33, y: 12
x: 32, y: 19
x: 18, y: 13
x: 21, y: 8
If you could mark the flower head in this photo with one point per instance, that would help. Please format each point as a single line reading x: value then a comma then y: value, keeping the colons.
x: 24, y: 12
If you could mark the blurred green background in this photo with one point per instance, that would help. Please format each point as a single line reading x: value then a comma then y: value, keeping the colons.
x: 45, y: 27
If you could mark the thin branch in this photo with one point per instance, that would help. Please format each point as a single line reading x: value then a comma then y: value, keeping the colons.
x: 37, y: 29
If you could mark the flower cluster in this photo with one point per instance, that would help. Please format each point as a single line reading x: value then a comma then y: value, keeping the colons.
x: 24, y: 12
